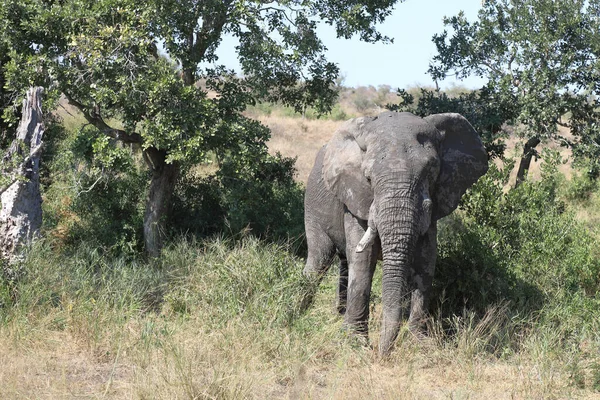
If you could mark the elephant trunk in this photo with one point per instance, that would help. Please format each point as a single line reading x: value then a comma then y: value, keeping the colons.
x: 398, y: 230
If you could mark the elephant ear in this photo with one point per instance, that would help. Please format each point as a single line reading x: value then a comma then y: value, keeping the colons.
x: 343, y: 168
x: 463, y: 160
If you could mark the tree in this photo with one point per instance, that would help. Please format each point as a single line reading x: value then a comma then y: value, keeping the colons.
x: 540, y: 58
x: 134, y: 70
x: 20, y: 198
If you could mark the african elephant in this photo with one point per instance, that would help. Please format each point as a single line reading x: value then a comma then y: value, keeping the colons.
x: 376, y: 191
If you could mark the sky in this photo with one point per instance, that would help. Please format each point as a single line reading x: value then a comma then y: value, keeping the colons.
x: 401, y: 64
x: 405, y: 62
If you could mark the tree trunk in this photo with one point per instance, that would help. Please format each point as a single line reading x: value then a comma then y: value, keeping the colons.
x: 162, y: 184
x: 21, y: 214
x: 528, y: 152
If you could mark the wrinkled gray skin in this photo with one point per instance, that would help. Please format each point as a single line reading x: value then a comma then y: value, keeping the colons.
x: 376, y: 191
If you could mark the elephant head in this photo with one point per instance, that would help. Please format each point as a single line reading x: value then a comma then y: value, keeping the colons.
x: 401, y: 173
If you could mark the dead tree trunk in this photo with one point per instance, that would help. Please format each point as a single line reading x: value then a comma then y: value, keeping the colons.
x: 525, y: 163
x: 162, y: 184
x: 21, y: 214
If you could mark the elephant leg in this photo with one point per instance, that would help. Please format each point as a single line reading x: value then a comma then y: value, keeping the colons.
x: 360, y: 275
x: 342, y: 291
x: 424, y: 268
x: 321, y: 251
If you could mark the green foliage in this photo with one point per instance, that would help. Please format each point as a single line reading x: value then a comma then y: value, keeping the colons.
x: 580, y: 188
x: 256, y: 193
x: 539, y: 57
x: 103, y: 57
x: 338, y: 114
x: 95, y: 192
x: 523, y: 246
x: 122, y: 74
x: 583, y: 183
x: 110, y: 211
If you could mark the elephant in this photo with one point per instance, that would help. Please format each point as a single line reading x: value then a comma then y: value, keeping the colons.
x: 376, y: 191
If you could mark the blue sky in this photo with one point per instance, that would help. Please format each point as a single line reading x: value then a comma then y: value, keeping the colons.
x: 405, y: 62
x: 401, y: 64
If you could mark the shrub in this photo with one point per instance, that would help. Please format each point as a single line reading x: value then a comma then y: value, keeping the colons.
x: 362, y: 102
x: 337, y: 113
x: 580, y: 187
x: 523, y: 246
x: 255, y: 193
x: 94, y: 191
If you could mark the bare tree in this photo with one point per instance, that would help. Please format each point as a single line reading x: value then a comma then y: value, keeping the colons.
x: 21, y: 213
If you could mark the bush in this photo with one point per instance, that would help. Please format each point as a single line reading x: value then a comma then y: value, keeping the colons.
x: 522, y: 246
x: 337, y: 113
x: 94, y: 192
x: 255, y: 194
x: 362, y: 103
x: 580, y: 187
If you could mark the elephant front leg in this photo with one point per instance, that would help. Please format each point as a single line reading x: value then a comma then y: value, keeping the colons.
x: 422, y: 279
x: 360, y: 275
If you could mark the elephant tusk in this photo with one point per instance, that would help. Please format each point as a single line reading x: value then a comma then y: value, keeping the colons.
x: 367, y: 239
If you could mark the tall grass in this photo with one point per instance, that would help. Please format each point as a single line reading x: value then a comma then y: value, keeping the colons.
x: 514, y: 314
x: 225, y: 318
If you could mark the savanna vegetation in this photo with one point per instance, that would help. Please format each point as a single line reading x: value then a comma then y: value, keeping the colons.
x: 222, y: 311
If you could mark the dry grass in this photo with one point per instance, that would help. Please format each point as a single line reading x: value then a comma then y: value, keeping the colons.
x: 240, y: 362
x: 89, y: 348
x: 55, y: 366
x: 301, y: 138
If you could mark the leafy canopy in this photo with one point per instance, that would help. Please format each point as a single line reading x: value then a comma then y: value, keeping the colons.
x: 141, y: 63
x: 541, y: 58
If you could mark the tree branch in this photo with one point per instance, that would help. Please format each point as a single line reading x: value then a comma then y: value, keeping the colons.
x: 282, y: 11
x: 94, y: 118
x: 491, y: 67
x: 90, y: 188
x: 210, y: 32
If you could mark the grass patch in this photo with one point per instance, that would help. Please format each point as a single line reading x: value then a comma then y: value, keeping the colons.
x: 225, y: 318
